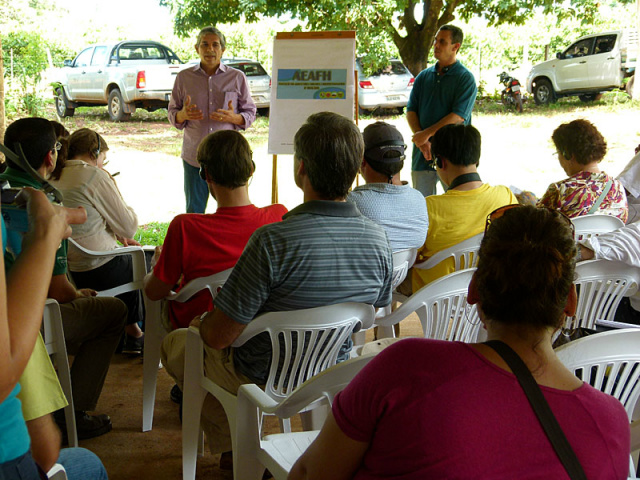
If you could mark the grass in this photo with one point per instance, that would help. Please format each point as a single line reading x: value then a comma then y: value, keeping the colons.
x: 152, y: 233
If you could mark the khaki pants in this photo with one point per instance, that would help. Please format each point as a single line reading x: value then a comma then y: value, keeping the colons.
x: 218, y: 366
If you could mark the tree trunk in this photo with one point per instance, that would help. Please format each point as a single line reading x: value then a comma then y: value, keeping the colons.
x: 2, y: 113
x: 415, y: 47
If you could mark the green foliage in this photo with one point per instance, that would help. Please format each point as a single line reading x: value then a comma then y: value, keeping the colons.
x: 25, y: 54
x: 152, y: 233
x: 384, y: 27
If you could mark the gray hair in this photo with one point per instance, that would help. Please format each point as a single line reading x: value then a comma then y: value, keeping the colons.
x: 212, y: 30
x: 331, y: 148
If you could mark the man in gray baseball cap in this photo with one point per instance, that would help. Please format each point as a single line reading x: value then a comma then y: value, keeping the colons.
x: 385, y: 199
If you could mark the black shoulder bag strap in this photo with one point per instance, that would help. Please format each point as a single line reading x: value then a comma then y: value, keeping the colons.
x: 540, y: 406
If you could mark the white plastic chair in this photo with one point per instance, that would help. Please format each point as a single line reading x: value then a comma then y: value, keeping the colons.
x: 402, y: 261
x: 589, y: 225
x: 155, y: 333
x: 610, y: 362
x: 138, y: 262
x: 326, y: 328
x: 279, y: 452
x: 601, y: 286
x: 53, y: 336
x: 464, y: 254
x: 442, y: 308
x: 57, y: 472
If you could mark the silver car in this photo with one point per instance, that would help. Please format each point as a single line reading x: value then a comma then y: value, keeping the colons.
x: 259, y: 81
x: 387, y: 88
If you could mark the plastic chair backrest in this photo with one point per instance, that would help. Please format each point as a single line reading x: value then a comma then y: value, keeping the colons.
x: 324, y: 385
x: 402, y: 261
x: 608, y: 361
x: 589, y: 225
x: 213, y: 283
x: 442, y: 308
x: 138, y: 263
x: 465, y: 254
x: 601, y: 285
x: 320, y: 331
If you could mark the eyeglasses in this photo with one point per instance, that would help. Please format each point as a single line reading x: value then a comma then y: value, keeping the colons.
x: 57, y: 147
x: 499, y: 212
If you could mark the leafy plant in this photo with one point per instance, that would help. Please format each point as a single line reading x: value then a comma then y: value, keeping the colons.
x: 152, y: 233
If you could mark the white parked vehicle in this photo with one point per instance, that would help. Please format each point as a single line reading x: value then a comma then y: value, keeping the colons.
x: 592, y: 64
x: 259, y: 81
x: 387, y: 88
x: 124, y: 76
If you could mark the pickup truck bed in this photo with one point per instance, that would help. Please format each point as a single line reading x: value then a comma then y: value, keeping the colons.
x: 123, y: 76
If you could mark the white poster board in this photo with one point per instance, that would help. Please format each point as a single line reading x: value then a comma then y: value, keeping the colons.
x: 312, y: 72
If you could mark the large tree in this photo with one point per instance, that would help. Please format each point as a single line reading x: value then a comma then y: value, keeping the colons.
x: 409, y: 24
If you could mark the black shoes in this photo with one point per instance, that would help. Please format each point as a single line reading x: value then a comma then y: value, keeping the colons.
x: 176, y: 394
x: 133, y: 346
x: 87, y: 426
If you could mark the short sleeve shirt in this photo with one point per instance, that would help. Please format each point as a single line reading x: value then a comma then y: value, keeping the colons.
x: 322, y: 253
x: 576, y: 195
x: 434, y: 96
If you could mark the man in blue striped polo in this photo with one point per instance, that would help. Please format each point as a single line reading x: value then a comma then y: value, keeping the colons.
x: 323, y: 252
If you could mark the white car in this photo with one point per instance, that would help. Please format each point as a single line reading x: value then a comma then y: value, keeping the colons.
x: 591, y: 65
x: 387, y: 88
x: 259, y: 81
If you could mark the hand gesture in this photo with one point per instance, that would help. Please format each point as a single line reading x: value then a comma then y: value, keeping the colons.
x: 227, y: 116
x: 189, y: 111
x: 156, y: 256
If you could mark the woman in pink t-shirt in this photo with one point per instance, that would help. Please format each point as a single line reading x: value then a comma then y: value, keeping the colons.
x: 427, y: 409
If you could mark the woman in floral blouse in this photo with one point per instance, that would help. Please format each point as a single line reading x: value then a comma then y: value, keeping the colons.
x: 581, y: 147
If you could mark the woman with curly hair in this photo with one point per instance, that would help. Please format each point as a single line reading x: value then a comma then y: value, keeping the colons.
x: 580, y: 148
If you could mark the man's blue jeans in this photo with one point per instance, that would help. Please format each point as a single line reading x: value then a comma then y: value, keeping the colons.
x: 81, y: 464
x: 196, y: 190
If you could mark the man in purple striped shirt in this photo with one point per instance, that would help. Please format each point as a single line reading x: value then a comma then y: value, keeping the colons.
x: 205, y: 98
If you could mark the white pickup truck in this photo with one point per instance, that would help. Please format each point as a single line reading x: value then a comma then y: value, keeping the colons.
x: 123, y: 76
x: 591, y: 65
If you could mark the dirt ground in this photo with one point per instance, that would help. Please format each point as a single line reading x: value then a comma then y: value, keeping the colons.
x: 516, y: 150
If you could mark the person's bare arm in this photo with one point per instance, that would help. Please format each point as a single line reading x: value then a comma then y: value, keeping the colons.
x: 61, y: 289
x: 585, y: 253
x: 23, y: 294
x: 345, y: 455
x: 154, y: 288
x: 45, y: 441
x: 423, y: 136
x: 413, y: 121
x: 218, y: 330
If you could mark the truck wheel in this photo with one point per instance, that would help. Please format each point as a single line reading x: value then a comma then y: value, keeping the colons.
x: 62, y: 104
x: 630, y: 86
x: 543, y: 92
x: 588, y: 97
x: 115, y: 107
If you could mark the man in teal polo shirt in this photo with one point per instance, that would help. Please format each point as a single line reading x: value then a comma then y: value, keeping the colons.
x: 92, y: 325
x: 442, y: 94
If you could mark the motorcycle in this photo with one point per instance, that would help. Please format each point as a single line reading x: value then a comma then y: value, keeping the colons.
x: 511, y: 95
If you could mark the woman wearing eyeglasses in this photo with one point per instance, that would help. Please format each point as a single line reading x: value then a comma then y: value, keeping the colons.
x: 427, y: 409
x: 83, y: 182
x: 581, y: 148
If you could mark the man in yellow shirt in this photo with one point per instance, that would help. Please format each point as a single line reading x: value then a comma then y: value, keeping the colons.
x: 460, y: 212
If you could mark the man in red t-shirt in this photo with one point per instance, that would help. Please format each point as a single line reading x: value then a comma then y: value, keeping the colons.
x: 200, y: 245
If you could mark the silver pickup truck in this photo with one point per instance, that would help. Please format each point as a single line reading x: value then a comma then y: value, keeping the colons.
x: 123, y: 76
